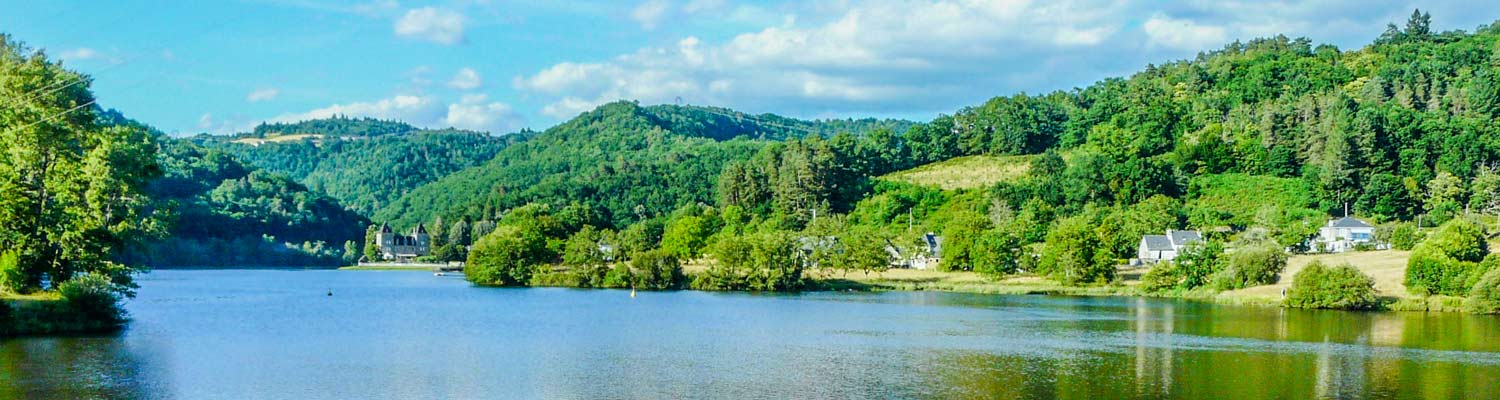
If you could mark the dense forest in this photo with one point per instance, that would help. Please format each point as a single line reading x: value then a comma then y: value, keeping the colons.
x: 366, y: 164
x: 622, y: 161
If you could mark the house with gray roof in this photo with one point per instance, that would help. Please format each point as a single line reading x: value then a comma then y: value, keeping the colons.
x: 1341, y: 235
x: 1158, y: 248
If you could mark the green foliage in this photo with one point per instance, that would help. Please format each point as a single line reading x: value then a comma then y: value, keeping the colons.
x: 656, y: 270
x: 1445, y: 263
x: 999, y: 253
x: 507, y: 256
x: 629, y: 162
x: 1199, y: 262
x: 760, y: 262
x: 1162, y: 277
x: 1074, y: 254
x: 364, y: 164
x: 72, y: 185
x: 1405, y: 236
x: 1341, y: 288
x: 94, y: 296
x: 12, y: 277
x: 223, y: 213
x: 862, y: 249
x: 687, y: 233
x: 962, y: 240
x: 1484, y: 296
x: 1251, y: 265
x: 335, y: 126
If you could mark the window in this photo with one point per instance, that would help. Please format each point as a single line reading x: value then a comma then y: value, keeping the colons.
x: 1360, y: 235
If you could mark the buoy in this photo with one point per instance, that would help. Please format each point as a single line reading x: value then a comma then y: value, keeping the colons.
x: 632, y: 293
x: 330, y: 292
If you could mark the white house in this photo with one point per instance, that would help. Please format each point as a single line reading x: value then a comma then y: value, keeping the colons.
x: 1158, y: 248
x: 1341, y: 235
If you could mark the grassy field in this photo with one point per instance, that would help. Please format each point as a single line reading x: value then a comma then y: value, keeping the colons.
x: 1387, y: 267
x: 965, y: 172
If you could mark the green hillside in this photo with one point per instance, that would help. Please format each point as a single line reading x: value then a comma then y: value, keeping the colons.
x: 365, y: 164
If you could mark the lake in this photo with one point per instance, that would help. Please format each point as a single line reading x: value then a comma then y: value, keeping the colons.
x: 277, y: 334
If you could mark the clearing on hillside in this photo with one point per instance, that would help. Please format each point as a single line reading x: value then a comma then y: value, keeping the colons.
x: 1388, y: 267
x: 965, y: 172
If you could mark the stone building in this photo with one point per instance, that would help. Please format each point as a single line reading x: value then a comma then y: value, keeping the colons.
x: 403, y: 248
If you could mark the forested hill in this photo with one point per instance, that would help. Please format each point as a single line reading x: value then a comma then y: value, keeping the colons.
x: 335, y: 126
x: 217, y: 211
x: 364, y: 163
x: 622, y: 161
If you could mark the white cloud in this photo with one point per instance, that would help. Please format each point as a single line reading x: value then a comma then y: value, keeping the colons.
x: 868, y: 56
x: 80, y: 54
x: 206, y: 121
x: 466, y: 79
x: 570, y: 107
x: 432, y: 24
x: 410, y: 108
x: 1183, y: 34
x: 475, y: 112
x: 650, y: 13
x: 262, y: 94
x: 914, y: 57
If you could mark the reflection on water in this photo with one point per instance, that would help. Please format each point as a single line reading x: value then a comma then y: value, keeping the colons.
x: 273, y: 334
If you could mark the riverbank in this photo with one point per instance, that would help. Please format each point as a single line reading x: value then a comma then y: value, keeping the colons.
x: 46, y: 313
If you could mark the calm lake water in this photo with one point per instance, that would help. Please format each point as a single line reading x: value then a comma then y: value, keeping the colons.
x: 276, y: 334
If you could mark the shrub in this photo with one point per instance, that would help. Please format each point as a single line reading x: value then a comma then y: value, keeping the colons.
x: 763, y: 262
x: 1074, y: 254
x: 12, y: 279
x: 1445, y: 262
x: 656, y: 270
x: 1484, y: 296
x: 1258, y: 264
x: 1162, y: 277
x: 94, y: 296
x: 618, y: 277
x: 1405, y: 236
x: 1340, y: 288
x: 506, y: 257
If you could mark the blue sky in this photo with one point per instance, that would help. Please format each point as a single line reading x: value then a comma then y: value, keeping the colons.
x: 499, y: 66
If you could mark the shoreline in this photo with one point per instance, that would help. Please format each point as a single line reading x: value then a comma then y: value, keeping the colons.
x: 1393, y: 296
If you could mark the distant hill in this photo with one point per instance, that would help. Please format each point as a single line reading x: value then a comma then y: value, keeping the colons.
x: 335, y: 126
x: 364, y: 163
x: 626, y: 161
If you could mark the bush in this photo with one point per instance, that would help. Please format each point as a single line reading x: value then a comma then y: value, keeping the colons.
x: 1163, y: 277
x: 1340, y: 288
x: 1484, y: 296
x: 1258, y: 264
x: 762, y: 262
x: 1074, y: 254
x: 94, y: 296
x: 12, y: 279
x: 506, y: 257
x: 1405, y: 236
x: 656, y: 270
x: 1445, y: 263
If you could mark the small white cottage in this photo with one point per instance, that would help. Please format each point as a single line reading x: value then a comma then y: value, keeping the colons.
x: 1158, y: 248
x: 1341, y: 235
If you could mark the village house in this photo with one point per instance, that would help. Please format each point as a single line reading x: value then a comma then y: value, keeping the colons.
x: 1158, y: 248
x: 1341, y: 235
x: 403, y: 248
